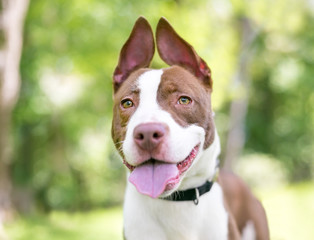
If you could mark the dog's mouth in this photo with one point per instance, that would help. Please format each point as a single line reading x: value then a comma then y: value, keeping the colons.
x: 184, y: 165
x: 154, y: 177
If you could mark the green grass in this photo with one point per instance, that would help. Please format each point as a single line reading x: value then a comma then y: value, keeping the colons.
x: 94, y: 225
x: 290, y: 211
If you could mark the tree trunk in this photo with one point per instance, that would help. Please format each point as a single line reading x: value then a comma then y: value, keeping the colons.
x: 238, y: 107
x: 11, y: 25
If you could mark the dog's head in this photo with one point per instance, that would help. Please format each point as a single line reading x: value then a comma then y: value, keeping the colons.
x: 163, y: 124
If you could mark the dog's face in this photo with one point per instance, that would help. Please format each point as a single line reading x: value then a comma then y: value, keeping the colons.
x: 162, y: 120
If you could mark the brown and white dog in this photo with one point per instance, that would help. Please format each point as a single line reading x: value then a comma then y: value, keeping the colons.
x: 164, y: 130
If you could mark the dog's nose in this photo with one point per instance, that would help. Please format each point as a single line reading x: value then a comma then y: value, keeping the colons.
x: 149, y: 135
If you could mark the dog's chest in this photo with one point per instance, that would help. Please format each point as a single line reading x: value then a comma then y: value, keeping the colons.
x: 162, y: 219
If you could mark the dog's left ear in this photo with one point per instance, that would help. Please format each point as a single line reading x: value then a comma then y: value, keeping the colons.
x: 174, y: 50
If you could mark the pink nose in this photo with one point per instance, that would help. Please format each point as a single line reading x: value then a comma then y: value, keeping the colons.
x: 148, y: 136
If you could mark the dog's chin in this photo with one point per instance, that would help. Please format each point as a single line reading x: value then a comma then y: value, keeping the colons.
x: 182, y: 168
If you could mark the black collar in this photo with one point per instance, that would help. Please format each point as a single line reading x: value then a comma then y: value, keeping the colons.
x: 192, y: 194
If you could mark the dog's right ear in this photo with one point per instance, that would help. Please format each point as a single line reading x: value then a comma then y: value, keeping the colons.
x: 136, y: 53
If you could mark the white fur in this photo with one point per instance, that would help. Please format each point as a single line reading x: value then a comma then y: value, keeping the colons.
x: 204, y: 167
x: 249, y: 231
x: 147, y: 218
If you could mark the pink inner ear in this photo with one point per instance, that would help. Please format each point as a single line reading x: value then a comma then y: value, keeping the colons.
x: 117, y: 76
x: 202, y: 66
x: 136, y: 53
x: 176, y: 51
x: 173, y: 49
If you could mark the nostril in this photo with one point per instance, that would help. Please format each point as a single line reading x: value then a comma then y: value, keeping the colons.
x: 140, y: 136
x: 156, y: 135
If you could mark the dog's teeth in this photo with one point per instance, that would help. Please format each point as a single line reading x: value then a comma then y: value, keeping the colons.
x: 185, y: 164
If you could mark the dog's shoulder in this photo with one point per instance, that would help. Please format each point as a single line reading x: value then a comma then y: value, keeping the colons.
x: 243, y: 207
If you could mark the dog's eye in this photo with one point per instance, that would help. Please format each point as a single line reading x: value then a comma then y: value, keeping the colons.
x: 184, y: 100
x: 127, y: 103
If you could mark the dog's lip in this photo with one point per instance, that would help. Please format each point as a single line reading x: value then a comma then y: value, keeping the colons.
x: 182, y: 166
x: 128, y: 165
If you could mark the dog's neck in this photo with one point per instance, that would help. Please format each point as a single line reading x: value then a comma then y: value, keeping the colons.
x: 205, y: 168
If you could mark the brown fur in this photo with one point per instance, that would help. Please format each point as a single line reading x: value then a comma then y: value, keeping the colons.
x: 242, y: 205
x: 176, y: 82
x: 121, y: 116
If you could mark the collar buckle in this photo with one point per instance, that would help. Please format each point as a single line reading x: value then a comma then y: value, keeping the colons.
x: 197, y: 196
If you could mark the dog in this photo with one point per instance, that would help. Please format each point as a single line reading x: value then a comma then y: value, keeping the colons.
x: 164, y: 131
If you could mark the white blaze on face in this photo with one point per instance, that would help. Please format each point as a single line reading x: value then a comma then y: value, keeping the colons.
x: 180, y: 140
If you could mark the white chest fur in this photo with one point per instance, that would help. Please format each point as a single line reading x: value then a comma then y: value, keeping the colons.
x: 155, y: 219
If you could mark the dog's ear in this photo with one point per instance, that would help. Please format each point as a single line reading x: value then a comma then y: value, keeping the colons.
x: 136, y: 53
x: 176, y: 51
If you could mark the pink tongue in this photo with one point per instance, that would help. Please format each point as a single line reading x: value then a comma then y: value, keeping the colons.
x: 151, y: 178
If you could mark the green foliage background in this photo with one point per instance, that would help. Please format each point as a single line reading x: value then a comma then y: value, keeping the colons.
x: 64, y: 158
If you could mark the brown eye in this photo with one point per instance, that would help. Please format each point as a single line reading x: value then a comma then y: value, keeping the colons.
x: 184, y: 100
x: 127, y: 103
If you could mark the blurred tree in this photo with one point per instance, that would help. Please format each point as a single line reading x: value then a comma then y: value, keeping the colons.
x: 280, y: 120
x: 12, y: 20
x: 280, y: 90
x: 241, y: 81
x: 280, y: 115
